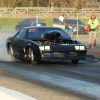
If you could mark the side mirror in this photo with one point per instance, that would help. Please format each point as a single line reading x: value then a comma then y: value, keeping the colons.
x: 18, y: 22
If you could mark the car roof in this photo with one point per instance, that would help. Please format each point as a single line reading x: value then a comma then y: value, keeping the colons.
x: 32, y: 19
x: 41, y: 27
x: 71, y: 19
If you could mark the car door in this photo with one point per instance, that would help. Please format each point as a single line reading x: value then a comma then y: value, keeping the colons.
x: 18, y: 42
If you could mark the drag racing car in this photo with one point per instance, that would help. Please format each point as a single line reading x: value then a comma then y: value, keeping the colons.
x: 37, y: 44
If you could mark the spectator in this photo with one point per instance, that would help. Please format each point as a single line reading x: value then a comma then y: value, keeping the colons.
x: 61, y: 18
x: 93, y: 22
x: 25, y: 12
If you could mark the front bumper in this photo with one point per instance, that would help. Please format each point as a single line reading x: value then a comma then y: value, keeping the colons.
x: 63, y: 55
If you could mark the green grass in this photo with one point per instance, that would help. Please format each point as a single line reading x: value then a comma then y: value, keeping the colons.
x: 48, y: 21
x: 8, y: 24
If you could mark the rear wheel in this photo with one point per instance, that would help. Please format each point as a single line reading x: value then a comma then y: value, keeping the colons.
x: 11, y: 52
x: 75, y: 61
x: 31, y: 56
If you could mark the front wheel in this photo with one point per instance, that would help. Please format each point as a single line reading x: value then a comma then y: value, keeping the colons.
x: 31, y: 56
x: 11, y: 52
x: 75, y: 61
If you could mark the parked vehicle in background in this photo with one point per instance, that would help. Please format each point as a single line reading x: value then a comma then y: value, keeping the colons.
x: 69, y: 24
x: 30, y: 22
x: 0, y: 27
x: 38, y: 44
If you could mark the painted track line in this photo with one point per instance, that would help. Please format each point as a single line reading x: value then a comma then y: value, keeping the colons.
x: 7, y: 94
x: 93, y: 52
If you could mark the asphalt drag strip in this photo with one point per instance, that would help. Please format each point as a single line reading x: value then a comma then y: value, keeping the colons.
x: 45, y: 75
x: 38, y: 90
x: 78, y: 82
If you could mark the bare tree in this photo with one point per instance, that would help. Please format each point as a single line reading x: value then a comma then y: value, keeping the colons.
x: 47, y: 3
x: 31, y: 3
x: 38, y: 2
x: 1, y: 2
x: 15, y: 2
x: 52, y: 3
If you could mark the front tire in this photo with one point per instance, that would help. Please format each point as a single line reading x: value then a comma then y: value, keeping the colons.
x: 75, y: 61
x: 31, y: 56
x: 11, y: 52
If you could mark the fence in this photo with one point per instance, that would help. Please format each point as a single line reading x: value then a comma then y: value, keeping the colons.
x: 89, y: 11
x: 45, y: 11
x: 31, y: 11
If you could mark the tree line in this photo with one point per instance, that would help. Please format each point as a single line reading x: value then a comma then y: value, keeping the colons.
x: 78, y: 4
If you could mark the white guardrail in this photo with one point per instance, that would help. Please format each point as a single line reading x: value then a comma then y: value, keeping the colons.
x: 90, y: 11
x: 31, y: 11
x: 45, y: 11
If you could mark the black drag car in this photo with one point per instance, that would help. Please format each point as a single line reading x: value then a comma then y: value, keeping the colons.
x: 42, y: 43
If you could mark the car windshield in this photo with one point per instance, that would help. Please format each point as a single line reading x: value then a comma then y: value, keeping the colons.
x: 39, y: 33
x: 35, y: 20
x: 73, y: 21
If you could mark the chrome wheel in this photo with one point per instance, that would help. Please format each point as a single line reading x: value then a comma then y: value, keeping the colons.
x: 11, y: 52
x: 31, y: 56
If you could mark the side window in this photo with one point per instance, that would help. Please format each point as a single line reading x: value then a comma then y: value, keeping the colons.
x: 21, y: 34
x: 24, y: 21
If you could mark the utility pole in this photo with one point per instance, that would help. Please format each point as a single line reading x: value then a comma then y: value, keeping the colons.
x: 77, y: 25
